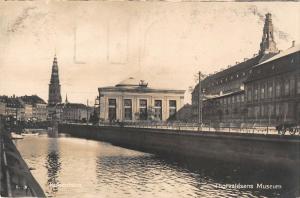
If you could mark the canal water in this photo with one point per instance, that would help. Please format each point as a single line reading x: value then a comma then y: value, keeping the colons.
x: 73, y: 167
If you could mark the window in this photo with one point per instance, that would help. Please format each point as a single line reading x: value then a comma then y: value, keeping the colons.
x: 237, y: 98
x: 249, y: 95
x: 292, y: 86
x: 128, y: 109
x: 262, y: 110
x: 262, y: 92
x: 242, y: 98
x: 172, y: 108
x: 158, y: 109
x: 255, y: 94
x: 270, y: 110
x: 277, y: 110
x: 143, y: 109
x: 270, y: 90
x: 256, y: 111
x: 286, y: 88
x: 112, y: 104
x: 277, y: 89
x: 285, y: 110
x: 298, y: 85
x: 250, y: 112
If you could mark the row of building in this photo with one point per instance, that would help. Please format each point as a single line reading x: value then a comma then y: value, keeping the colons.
x: 24, y: 108
x: 264, y: 89
x: 35, y: 109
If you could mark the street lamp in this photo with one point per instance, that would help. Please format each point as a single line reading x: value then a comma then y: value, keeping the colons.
x: 200, y: 99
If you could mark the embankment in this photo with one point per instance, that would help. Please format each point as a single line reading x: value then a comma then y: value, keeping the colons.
x: 233, y: 147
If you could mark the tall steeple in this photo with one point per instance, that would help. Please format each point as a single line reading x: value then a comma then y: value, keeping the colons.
x: 66, y: 101
x: 54, y: 86
x: 268, y: 44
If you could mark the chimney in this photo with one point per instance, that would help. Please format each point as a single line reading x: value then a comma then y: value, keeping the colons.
x: 293, y: 43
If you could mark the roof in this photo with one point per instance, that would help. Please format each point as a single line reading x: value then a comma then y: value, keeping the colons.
x: 134, y: 85
x: 131, y: 81
x: 281, y: 54
x: 286, y: 61
x: 34, y: 99
x: 224, y: 95
x: 238, y: 67
x: 14, y: 103
x: 138, y: 89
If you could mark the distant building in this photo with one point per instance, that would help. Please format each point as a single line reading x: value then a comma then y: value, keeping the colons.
x: 273, y: 89
x: 39, y: 107
x: 24, y: 108
x: 223, y: 93
x: 185, y: 113
x: 54, y: 90
x: 73, y: 112
x: 134, y: 100
x: 2, y: 108
x: 14, y: 107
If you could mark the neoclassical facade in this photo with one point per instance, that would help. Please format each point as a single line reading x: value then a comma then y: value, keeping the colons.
x: 133, y: 100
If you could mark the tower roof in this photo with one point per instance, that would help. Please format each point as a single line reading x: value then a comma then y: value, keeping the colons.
x: 54, y: 73
x: 132, y: 82
x: 268, y: 44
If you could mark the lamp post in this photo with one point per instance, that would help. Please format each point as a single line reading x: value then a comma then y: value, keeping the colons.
x: 200, y: 75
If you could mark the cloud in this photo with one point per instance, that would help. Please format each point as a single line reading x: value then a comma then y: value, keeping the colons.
x: 18, y: 24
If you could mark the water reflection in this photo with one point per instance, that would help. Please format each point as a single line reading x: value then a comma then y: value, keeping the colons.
x: 53, y: 166
x: 93, y: 169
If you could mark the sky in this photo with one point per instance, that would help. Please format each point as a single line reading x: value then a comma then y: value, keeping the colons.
x: 102, y: 43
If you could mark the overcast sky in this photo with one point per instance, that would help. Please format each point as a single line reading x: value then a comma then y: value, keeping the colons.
x: 101, y: 43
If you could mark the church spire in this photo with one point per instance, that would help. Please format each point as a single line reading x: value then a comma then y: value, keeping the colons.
x: 268, y: 44
x: 66, y: 101
x: 54, y: 86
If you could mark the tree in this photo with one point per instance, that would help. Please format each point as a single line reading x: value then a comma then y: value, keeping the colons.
x: 94, y: 118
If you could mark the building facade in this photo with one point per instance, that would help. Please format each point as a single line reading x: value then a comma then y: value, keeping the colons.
x: 39, y: 107
x: 133, y: 100
x: 221, y: 96
x: 73, y: 112
x: 273, y: 89
x: 24, y: 108
x: 14, y: 107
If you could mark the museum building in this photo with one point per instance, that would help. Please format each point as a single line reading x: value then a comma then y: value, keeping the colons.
x: 133, y: 100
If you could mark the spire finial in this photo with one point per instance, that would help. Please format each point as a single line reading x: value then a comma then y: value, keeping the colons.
x: 268, y: 44
x: 66, y: 101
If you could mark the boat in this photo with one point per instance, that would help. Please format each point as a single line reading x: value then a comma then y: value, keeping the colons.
x: 29, y: 134
x: 16, y: 136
